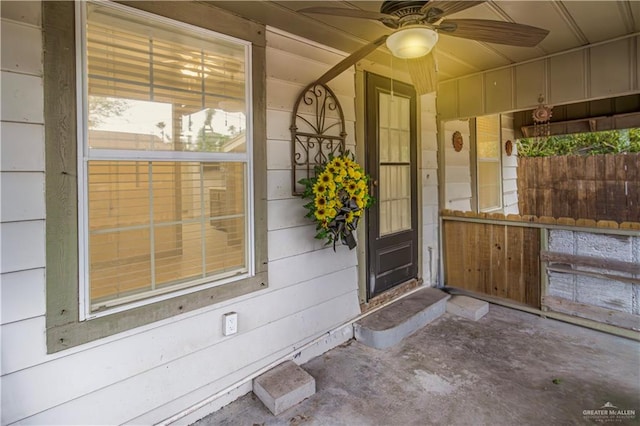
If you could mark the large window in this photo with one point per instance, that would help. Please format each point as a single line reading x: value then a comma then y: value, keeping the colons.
x: 166, y: 157
x: 166, y: 213
x: 488, y: 163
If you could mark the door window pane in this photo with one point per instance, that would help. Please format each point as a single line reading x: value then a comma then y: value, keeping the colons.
x: 395, y: 198
x: 394, y: 179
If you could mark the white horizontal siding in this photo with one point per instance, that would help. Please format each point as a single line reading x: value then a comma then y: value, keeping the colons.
x: 22, y: 98
x: 22, y: 147
x: 509, y: 167
x: 155, y: 371
x: 457, y: 174
x: 429, y: 159
x: 282, y: 65
x: 428, y: 180
x: 151, y: 387
x: 279, y: 185
x: 282, y: 41
x: 279, y: 154
x: 286, y: 213
x: 430, y: 194
x: 21, y: 47
x: 106, y: 365
x: 23, y: 295
x: 22, y: 245
x: 282, y: 131
x: 307, y: 266
x: 25, y: 12
x: 457, y: 167
x: 22, y: 196
x: 293, y: 241
x: 285, y: 95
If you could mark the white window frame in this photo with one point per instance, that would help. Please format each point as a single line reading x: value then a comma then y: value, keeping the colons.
x: 84, y: 155
x: 498, y: 161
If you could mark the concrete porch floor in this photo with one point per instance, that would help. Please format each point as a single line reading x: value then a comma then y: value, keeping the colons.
x: 509, y: 368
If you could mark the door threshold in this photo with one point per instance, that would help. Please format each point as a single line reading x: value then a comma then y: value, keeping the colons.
x: 391, y: 294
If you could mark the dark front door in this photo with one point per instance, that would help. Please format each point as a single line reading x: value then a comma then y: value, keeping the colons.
x: 392, y: 247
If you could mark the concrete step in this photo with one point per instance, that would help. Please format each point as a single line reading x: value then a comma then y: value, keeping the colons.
x: 394, y: 322
x: 467, y: 307
x: 284, y: 386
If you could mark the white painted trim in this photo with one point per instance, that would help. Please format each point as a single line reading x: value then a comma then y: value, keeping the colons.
x: 81, y: 167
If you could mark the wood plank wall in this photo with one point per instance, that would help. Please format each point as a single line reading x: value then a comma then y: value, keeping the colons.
x: 597, y: 187
x: 496, y: 260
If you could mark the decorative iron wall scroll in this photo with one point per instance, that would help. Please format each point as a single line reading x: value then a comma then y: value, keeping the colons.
x: 317, y: 130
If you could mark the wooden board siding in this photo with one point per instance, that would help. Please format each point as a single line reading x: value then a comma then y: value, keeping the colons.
x: 598, y: 187
x: 496, y: 260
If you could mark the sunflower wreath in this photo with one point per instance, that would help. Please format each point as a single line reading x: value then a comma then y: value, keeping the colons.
x: 338, y: 194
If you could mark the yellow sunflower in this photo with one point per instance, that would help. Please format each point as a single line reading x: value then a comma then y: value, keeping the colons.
x: 325, y: 178
x: 321, y: 214
x: 320, y: 202
x: 349, y: 217
x: 320, y: 188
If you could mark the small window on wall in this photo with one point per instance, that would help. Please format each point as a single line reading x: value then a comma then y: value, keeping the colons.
x: 489, y: 166
x: 166, y: 159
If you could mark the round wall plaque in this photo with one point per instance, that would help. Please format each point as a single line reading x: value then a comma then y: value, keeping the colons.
x: 508, y: 147
x: 457, y: 141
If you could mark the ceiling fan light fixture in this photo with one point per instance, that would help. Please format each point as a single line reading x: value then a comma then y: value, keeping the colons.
x: 412, y: 42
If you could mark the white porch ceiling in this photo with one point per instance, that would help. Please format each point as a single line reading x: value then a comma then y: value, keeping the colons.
x: 572, y: 24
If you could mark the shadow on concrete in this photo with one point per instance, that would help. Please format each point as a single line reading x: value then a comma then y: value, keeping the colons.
x: 509, y: 368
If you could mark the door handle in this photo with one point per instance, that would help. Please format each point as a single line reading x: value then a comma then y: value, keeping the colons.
x: 374, y: 182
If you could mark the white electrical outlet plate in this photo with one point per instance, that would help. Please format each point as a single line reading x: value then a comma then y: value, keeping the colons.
x: 230, y: 323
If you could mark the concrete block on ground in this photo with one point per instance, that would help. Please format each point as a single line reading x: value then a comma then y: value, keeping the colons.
x: 394, y: 322
x: 284, y: 386
x: 467, y: 307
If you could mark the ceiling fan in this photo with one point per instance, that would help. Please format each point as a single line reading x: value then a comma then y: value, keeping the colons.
x: 417, y: 26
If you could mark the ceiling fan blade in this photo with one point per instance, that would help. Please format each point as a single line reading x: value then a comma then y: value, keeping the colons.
x: 423, y: 73
x: 351, y: 13
x: 435, y: 9
x: 350, y: 60
x: 494, y: 31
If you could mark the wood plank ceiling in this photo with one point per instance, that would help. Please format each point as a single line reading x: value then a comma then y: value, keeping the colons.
x: 572, y: 24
